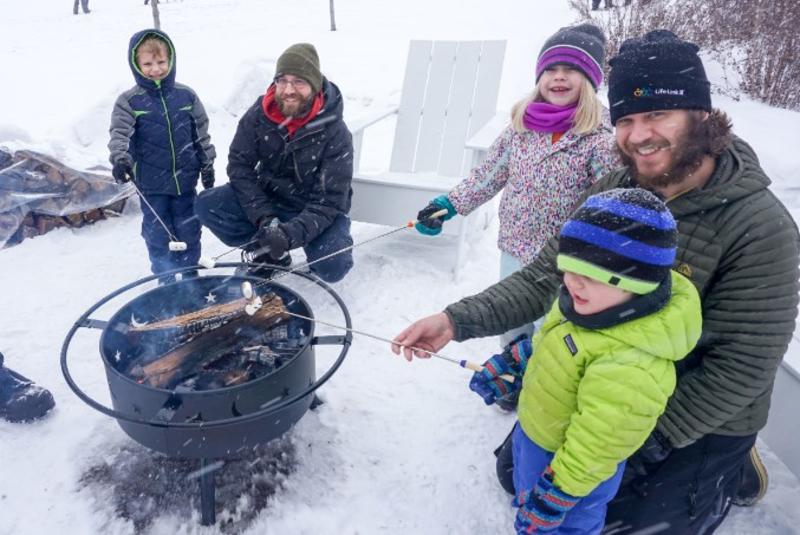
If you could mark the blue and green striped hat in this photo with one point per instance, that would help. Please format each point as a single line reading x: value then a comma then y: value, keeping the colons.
x: 622, y: 237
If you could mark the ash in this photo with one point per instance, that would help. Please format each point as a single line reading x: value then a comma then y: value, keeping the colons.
x: 142, y: 485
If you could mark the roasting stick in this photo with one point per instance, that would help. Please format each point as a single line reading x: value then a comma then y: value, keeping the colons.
x: 209, y: 263
x: 410, y: 224
x: 248, y: 291
x: 463, y: 363
x: 174, y: 243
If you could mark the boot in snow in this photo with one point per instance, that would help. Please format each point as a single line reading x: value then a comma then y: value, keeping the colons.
x: 754, y: 482
x: 20, y: 399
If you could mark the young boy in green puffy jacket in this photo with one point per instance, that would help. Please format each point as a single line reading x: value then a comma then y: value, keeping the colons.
x: 603, y: 368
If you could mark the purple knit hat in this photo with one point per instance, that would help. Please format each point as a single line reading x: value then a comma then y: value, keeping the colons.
x: 582, y: 47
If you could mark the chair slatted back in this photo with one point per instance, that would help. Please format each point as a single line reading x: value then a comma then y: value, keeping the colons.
x: 449, y: 92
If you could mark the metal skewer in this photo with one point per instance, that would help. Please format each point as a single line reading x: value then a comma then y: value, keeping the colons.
x: 409, y: 224
x: 141, y: 196
x: 461, y: 362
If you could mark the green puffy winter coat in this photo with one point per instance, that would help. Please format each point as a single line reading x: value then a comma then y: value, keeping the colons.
x: 740, y: 247
x: 593, y: 396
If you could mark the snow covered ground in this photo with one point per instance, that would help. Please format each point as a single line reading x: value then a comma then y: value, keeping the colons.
x: 397, y: 448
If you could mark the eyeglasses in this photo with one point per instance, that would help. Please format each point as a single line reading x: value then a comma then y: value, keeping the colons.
x: 298, y: 83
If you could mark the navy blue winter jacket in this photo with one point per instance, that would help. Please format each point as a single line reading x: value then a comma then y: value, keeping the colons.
x: 160, y: 128
x: 309, y: 173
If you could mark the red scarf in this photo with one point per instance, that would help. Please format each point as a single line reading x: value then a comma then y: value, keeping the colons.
x: 273, y: 112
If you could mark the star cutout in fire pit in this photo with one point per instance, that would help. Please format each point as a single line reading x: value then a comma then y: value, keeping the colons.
x: 211, y: 298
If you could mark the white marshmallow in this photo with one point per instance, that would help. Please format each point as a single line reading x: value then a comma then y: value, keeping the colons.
x: 247, y: 289
x: 206, y: 262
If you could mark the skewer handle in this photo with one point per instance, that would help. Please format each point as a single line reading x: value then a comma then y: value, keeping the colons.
x: 478, y: 368
x: 440, y: 213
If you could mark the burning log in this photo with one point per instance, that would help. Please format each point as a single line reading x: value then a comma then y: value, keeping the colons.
x: 187, y: 358
x: 220, y: 312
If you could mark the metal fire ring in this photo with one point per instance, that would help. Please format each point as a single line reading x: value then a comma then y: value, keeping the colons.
x: 86, y: 322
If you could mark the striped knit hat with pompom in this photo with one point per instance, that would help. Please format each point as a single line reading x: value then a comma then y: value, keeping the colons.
x: 623, y: 237
x: 582, y: 46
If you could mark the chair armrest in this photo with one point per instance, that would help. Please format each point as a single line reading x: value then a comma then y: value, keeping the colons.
x: 480, y: 142
x: 359, y: 124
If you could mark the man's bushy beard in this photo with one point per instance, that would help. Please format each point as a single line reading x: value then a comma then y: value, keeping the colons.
x: 701, y: 138
x: 304, y: 105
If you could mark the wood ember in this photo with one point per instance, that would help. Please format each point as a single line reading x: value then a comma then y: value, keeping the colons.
x: 207, y: 347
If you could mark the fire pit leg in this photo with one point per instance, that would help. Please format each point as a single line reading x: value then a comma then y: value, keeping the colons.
x: 207, y: 494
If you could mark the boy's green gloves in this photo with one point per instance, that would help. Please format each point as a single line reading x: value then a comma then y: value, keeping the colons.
x: 433, y: 225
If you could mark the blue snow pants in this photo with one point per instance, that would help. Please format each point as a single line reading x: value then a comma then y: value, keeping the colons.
x: 589, y: 515
x: 220, y: 211
x: 178, y: 214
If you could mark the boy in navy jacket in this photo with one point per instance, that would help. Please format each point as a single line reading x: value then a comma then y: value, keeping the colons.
x: 159, y: 139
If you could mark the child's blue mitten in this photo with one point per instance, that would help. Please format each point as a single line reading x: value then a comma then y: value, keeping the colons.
x: 512, y: 361
x: 543, y: 509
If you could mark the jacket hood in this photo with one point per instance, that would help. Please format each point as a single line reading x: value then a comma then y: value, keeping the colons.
x: 140, y: 78
x: 737, y: 174
x: 670, y: 333
x: 333, y: 108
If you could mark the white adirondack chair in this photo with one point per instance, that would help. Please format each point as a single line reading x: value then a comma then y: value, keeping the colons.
x: 449, y: 94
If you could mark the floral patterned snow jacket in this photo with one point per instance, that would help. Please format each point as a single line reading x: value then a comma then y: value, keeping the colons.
x: 542, y: 182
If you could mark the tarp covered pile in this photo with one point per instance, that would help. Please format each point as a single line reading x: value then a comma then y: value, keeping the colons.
x: 38, y: 194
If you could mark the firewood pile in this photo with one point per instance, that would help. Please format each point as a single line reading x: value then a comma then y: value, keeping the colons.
x: 39, y: 193
x: 207, y: 353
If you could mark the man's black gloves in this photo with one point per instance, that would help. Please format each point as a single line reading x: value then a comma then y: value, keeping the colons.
x: 655, y: 449
x: 274, y: 241
x: 122, y: 171
x: 207, y: 176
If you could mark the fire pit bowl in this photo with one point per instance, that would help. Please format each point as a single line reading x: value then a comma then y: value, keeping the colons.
x: 207, y: 423
x: 119, y: 344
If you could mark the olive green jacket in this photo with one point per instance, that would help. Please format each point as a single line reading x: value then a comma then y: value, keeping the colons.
x: 741, y: 249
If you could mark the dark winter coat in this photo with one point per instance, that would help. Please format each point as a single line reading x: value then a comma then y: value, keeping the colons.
x: 161, y: 129
x: 740, y: 247
x: 308, y: 173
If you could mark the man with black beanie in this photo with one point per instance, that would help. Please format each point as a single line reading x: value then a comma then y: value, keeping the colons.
x: 290, y: 166
x: 739, y: 246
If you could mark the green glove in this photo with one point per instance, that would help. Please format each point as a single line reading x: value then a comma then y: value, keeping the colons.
x: 433, y: 225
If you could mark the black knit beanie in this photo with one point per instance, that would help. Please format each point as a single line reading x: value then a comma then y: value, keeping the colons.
x: 658, y: 71
x: 582, y: 46
x: 301, y: 60
x: 622, y: 237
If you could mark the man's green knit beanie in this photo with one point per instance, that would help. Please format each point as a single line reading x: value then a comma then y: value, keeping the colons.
x: 301, y: 60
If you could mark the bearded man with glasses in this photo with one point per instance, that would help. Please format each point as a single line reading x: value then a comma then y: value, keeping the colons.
x: 290, y: 166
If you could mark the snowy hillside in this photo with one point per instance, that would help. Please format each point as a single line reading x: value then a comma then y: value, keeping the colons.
x: 397, y: 447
